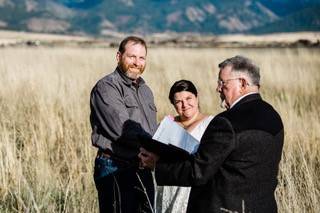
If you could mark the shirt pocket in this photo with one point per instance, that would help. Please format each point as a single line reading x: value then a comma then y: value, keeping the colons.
x: 132, y: 107
x: 153, y: 107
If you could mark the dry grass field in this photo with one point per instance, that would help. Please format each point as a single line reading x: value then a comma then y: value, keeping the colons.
x: 46, y: 157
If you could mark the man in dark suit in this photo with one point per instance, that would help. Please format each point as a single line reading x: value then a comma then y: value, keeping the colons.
x: 236, y: 165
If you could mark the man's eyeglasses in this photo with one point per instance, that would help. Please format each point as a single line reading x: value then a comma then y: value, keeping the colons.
x: 222, y: 83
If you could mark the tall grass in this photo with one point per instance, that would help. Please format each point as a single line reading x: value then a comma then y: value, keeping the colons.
x: 46, y: 157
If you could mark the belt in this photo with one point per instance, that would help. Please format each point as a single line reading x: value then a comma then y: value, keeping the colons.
x: 119, y: 161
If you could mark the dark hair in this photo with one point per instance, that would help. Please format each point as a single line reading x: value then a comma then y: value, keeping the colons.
x: 182, y: 85
x: 245, y: 65
x: 134, y: 39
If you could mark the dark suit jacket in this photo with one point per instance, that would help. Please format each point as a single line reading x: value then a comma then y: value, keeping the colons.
x: 236, y: 165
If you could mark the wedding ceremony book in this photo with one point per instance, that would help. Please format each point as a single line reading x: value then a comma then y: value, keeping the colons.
x: 171, y: 141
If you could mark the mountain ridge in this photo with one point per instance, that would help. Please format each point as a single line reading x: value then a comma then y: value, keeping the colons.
x: 101, y: 18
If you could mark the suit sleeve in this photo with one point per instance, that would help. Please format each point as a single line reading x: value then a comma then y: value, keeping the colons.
x: 216, y: 144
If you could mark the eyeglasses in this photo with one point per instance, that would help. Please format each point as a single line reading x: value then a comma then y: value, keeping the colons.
x: 222, y: 83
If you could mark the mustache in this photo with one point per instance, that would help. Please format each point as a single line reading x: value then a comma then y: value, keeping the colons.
x: 136, y: 67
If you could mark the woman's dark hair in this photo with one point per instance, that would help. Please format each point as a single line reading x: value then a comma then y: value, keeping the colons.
x: 182, y: 85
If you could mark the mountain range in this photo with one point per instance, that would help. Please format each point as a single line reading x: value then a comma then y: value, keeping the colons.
x: 102, y: 18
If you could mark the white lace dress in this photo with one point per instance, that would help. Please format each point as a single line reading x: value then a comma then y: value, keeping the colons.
x: 173, y: 199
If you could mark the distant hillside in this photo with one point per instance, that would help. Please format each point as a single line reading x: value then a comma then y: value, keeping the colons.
x: 106, y: 18
x: 294, y: 22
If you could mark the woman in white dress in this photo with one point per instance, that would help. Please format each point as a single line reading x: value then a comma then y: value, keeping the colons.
x: 184, y: 97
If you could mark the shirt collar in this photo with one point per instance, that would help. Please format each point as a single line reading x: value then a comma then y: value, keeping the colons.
x: 239, y: 99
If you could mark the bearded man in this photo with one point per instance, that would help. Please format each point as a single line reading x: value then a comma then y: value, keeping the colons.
x: 122, y: 111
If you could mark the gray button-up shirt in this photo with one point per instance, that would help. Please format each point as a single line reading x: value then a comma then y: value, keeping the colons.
x: 121, y: 111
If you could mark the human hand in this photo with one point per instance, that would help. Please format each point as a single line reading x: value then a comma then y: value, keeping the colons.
x: 147, y: 159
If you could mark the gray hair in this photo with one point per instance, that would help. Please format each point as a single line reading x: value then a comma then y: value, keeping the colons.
x: 243, y: 65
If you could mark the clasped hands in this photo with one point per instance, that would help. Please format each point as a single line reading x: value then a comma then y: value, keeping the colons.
x: 147, y: 159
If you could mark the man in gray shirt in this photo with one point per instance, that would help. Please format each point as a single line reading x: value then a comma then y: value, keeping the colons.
x: 123, y: 111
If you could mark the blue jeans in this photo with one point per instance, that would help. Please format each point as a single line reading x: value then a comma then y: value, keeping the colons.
x: 125, y: 190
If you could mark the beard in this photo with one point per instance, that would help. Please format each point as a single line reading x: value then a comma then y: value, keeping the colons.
x: 131, y: 71
x: 223, y: 103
